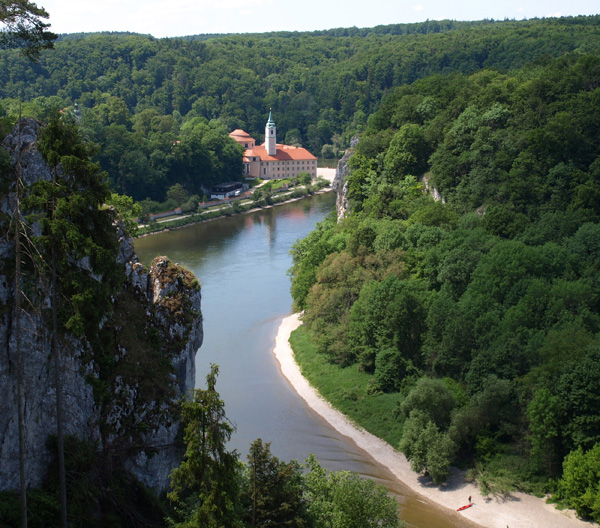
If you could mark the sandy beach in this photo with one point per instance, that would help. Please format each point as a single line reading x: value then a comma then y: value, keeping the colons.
x: 515, y: 511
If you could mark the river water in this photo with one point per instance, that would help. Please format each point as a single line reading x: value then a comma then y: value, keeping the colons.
x: 242, y: 264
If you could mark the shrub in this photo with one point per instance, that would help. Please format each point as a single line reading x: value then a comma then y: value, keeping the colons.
x: 579, y: 487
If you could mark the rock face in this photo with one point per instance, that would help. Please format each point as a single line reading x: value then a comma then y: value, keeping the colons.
x: 122, y: 397
x: 340, y: 182
x: 432, y: 191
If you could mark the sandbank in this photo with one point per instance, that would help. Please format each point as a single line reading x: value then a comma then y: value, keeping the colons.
x: 518, y: 510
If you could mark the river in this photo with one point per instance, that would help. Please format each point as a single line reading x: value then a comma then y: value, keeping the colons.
x: 242, y: 264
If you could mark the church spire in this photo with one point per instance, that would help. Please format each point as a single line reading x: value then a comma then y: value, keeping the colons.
x: 271, y: 136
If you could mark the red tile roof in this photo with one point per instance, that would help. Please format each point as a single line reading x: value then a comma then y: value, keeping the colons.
x: 239, y: 132
x: 284, y: 153
x: 240, y: 135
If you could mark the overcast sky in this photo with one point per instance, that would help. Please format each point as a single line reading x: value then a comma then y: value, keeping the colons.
x: 174, y: 18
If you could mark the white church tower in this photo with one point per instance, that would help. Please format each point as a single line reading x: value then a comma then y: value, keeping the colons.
x: 271, y: 136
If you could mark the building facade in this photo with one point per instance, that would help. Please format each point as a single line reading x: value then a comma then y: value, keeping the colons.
x: 272, y: 160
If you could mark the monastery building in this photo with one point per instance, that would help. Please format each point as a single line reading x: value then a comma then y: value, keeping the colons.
x: 272, y: 160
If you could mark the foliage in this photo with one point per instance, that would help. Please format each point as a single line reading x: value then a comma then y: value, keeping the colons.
x: 425, y: 440
x: 21, y: 27
x: 75, y: 223
x: 66, y: 213
x: 428, y: 449
x: 492, y: 288
x: 162, y: 108
x: 210, y: 488
x: 205, y: 486
x: 431, y: 397
x: 580, y: 484
x: 127, y: 210
x: 388, y: 315
x: 348, y: 389
x: 272, y: 491
x: 487, y: 293
x: 308, y: 254
x: 101, y: 493
x: 344, y: 500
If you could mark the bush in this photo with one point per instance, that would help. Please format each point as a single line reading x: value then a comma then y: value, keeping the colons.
x: 150, y: 206
x: 427, y: 448
x: 432, y: 397
x: 304, y: 178
x: 191, y: 204
x: 579, y: 487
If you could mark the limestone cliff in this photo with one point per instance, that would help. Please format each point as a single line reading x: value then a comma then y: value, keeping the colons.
x: 340, y: 182
x: 120, y: 394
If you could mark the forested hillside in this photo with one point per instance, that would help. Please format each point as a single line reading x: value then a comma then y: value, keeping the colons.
x: 152, y: 104
x: 472, y: 322
x: 476, y: 317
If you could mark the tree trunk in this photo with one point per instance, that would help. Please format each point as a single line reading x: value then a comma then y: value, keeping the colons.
x: 17, y: 218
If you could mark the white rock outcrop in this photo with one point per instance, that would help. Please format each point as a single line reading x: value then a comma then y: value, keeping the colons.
x: 340, y: 182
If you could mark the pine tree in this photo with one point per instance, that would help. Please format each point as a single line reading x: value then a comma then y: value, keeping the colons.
x: 21, y: 27
x: 205, y: 485
x: 77, y: 250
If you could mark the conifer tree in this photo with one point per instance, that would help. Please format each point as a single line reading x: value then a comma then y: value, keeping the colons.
x: 21, y: 26
x: 273, y: 490
x: 77, y: 248
x: 205, y: 485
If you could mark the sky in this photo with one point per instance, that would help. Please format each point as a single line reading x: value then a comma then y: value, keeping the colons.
x: 175, y: 18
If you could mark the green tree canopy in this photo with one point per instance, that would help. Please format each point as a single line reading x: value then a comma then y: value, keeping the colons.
x: 205, y: 485
x: 344, y: 500
x: 21, y: 27
x: 273, y: 491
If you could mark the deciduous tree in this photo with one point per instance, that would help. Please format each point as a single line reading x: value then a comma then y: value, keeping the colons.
x: 344, y: 500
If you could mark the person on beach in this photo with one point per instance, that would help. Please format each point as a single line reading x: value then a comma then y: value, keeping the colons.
x: 469, y: 499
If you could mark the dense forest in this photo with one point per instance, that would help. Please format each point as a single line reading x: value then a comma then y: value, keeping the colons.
x: 161, y: 109
x: 474, y: 317
x: 63, y: 274
x: 478, y: 314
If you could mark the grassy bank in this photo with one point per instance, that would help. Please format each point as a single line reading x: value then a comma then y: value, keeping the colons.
x: 347, y: 390
x: 237, y: 207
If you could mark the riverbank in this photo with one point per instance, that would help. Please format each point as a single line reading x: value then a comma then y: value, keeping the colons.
x: 517, y: 510
x: 180, y: 222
